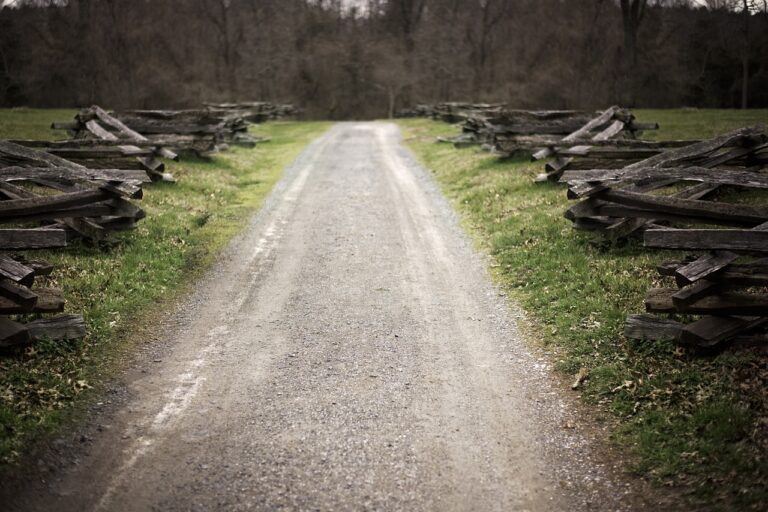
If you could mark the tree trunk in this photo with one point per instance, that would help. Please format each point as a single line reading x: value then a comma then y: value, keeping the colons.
x: 745, y: 60
x: 632, y: 12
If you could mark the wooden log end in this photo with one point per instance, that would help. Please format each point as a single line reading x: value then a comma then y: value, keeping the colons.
x: 62, y: 327
x: 13, y: 334
x: 652, y: 327
x: 710, y: 331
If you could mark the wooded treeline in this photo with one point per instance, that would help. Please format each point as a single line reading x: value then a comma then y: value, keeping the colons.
x: 336, y: 62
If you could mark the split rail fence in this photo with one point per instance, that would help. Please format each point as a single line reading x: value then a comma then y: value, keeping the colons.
x: 53, y: 192
x: 699, y: 198
x: 685, y: 195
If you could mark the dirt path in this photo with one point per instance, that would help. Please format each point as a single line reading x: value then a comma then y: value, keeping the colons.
x: 348, y: 353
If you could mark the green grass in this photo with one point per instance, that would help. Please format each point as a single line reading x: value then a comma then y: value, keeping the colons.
x: 35, y: 124
x: 698, y: 124
x: 121, y: 289
x: 692, y: 422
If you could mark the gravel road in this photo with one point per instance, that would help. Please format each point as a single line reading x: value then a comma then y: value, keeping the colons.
x: 348, y: 352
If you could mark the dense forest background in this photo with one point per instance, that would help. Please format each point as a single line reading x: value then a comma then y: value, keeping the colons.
x: 340, y: 59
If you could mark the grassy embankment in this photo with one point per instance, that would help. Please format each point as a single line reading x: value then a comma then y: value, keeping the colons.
x: 118, y: 289
x: 697, y: 423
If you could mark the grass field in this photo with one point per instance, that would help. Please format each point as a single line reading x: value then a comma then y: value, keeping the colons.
x: 35, y: 124
x: 695, y: 423
x: 118, y: 289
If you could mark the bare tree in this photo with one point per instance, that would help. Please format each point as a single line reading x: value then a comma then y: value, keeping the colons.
x: 218, y: 13
x: 480, y: 35
x: 632, y: 13
x: 340, y: 62
x: 745, y: 56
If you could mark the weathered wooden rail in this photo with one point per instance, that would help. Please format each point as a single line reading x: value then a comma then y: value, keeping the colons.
x: 95, y: 124
x: 608, y: 141
x: 47, y: 200
x: 726, y: 291
x: 453, y: 112
x: 611, y: 124
x: 149, y: 134
x: 565, y: 136
x: 68, y: 199
x: 510, y: 131
x: 21, y: 295
x: 254, y: 111
x: 687, y: 197
x: 199, y: 131
x: 52, y: 192
x: 672, y: 186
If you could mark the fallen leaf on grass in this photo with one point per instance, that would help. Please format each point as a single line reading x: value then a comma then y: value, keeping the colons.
x: 580, y: 377
x: 627, y: 384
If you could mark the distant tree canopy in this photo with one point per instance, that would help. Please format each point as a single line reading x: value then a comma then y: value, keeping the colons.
x: 377, y: 56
